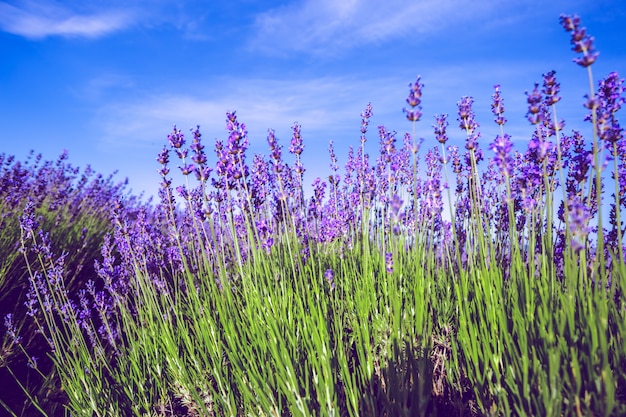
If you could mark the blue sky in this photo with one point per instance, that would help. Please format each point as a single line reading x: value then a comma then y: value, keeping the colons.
x: 108, y: 80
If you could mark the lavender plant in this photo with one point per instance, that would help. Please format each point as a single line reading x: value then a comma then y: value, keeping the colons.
x: 74, y: 207
x: 239, y: 295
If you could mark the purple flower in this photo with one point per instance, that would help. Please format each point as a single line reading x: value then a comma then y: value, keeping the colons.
x: 235, y: 149
x: 265, y: 235
x: 580, y: 160
x: 582, y: 43
x: 396, y: 216
x: 163, y: 157
x: 333, y: 157
x: 467, y: 122
x: 455, y: 158
x: 199, y: 157
x: 365, y: 120
x: 197, y: 147
x: 259, y: 184
x: 275, y: 152
x: 502, y: 146
x: 535, y: 102
x: 296, y: 147
x: 551, y: 88
x: 176, y: 138
x: 231, y: 167
x: 580, y: 216
x: 32, y: 362
x: 610, y: 101
x: 440, y: 128
x: 329, y: 275
x: 319, y: 188
x: 389, y: 262
x: 432, y: 198
x: 187, y: 169
x: 387, y: 146
x: 497, y: 107
x: 11, y: 330
x: 414, y: 100
x: 466, y: 114
x: 28, y: 223
x: 538, y: 148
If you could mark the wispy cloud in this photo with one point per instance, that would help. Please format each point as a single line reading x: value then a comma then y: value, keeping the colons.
x: 37, y: 20
x: 325, y: 105
x: 327, y: 25
x: 103, y: 85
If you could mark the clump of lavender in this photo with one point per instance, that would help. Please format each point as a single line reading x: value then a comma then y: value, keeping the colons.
x: 75, y: 206
x: 196, y: 301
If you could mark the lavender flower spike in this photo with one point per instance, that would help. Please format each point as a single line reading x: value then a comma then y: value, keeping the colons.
x: 579, y: 222
x: 610, y: 101
x: 467, y: 122
x: 551, y: 88
x: 581, y: 41
x: 414, y: 100
x: 466, y: 114
x: 497, y: 107
x: 502, y: 147
x: 365, y: 120
x: 440, y: 128
x: 389, y: 262
x: 11, y: 329
x: 329, y: 275
x: 176, y: 138
x: 296, y: 147
x: 534, y: 99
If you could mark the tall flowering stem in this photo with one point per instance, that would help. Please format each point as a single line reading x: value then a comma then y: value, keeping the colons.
x: 610, y: 100
x: 583, y: 43
x: 468, y: 123
x: 502, y: 147
x: 551, y: 89
x: 414, y: 100
x: 296, y: 148
x: 440, y: 127
x: 363, y: 168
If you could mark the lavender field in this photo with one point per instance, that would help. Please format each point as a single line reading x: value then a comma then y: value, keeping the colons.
x: 416, y: 279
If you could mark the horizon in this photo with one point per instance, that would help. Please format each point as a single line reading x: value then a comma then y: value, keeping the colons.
x: 108, y: 82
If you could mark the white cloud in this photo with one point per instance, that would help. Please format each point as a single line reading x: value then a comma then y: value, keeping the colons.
x: 40, y: 20
x: 99, y: 87
x: 320, y: 26
x: 326, y: 27
x: 325, y: 107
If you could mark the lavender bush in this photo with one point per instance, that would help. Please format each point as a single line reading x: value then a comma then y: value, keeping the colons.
x: 74, y: 208
x: 237, y: 294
